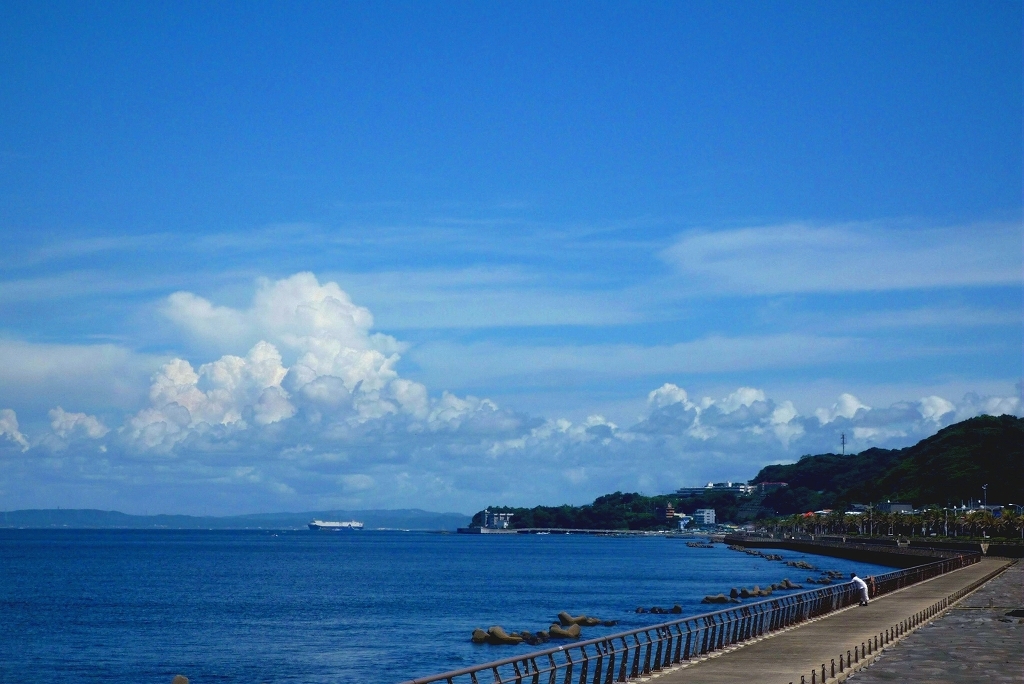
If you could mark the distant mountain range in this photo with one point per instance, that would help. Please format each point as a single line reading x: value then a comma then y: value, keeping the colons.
x: 404, y: 519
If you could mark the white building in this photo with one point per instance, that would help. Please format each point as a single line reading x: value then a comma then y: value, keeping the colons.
x: 497, y: 521
x: 704, y: 516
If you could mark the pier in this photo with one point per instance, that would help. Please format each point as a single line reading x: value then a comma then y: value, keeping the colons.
x: 811, y: 637
x: 800, y: 653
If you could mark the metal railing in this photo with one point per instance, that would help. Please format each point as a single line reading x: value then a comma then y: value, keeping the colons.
x: 626, y: 656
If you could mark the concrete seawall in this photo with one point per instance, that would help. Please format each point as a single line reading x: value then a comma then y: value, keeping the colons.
x: 893, y: 556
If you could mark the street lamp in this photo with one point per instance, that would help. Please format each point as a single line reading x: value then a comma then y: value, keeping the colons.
x: 984, y: 490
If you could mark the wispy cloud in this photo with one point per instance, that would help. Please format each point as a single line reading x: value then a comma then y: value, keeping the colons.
x: 847, y: 257
x: 929, y: 317
x: 461, y: 363
x: 492, y: 298
x: 77, y: 284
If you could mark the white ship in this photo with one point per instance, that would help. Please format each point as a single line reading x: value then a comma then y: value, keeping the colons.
x: 335, y: 526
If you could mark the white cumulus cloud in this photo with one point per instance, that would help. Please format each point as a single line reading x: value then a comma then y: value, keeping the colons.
x: 70, y: 425
x: 933, y: 408
x: 845, y: 407
x: 343, y: 375
x: 9, y: 428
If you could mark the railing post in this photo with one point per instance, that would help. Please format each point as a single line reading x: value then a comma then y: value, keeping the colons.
x: 647, y: 654
x: 625, y: 660
x: 584, y: 666
x: 656, y: 665
x: 598, y: 664
x: 708, y: 634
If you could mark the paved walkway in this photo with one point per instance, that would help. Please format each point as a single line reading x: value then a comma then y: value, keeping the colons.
x: 785, y: 656
x: 974, y: 641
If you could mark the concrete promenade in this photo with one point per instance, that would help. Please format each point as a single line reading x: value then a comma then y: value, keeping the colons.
x: 974, y: 641
x: 785, y: 656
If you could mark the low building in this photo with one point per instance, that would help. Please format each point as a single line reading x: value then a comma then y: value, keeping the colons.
x: 889, y: 507
x: 668, y: 513
x: 704, y: 516
x: 717, y: 488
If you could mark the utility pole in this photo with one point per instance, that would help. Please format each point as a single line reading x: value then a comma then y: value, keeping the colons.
x: 842, y: 438
x: 984, y: 489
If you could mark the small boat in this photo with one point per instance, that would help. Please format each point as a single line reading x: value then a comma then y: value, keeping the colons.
x: 335, y: 526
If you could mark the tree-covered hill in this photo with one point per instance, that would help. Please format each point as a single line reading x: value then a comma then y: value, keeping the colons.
x: 946, y: 468
x: 616, y: 511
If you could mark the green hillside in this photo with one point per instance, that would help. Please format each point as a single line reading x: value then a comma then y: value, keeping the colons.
x: 616, y: 511
x: 946, y: 468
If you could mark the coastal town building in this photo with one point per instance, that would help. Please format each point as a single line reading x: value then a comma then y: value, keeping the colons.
x: 704, y: 516
x: 889, y: 507
x: 497, y: 521
x: 667, y: 513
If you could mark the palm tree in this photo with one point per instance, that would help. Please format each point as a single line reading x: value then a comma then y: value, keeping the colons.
x: 835, y: 522
x: 987, y: 521
x: 1016, y: 522
x: 917, y: 522
x: 931, y: 517
x: 960, y: 522
x: 1000, y: 524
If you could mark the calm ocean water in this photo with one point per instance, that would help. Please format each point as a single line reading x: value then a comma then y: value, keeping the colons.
x: 141, y: 606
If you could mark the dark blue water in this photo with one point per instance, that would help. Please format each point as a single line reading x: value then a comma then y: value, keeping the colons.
x: 141, y: 606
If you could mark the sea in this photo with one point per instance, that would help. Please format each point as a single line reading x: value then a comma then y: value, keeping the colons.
x: 140, y: 606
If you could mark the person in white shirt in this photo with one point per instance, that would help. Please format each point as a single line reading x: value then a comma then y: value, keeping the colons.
x: 861, y: 586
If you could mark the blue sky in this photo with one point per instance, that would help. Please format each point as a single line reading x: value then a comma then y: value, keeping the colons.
x: 454, y: 254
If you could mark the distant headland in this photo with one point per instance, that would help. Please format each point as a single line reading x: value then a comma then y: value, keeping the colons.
x: 976, y: 461
x: 404, y: 519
